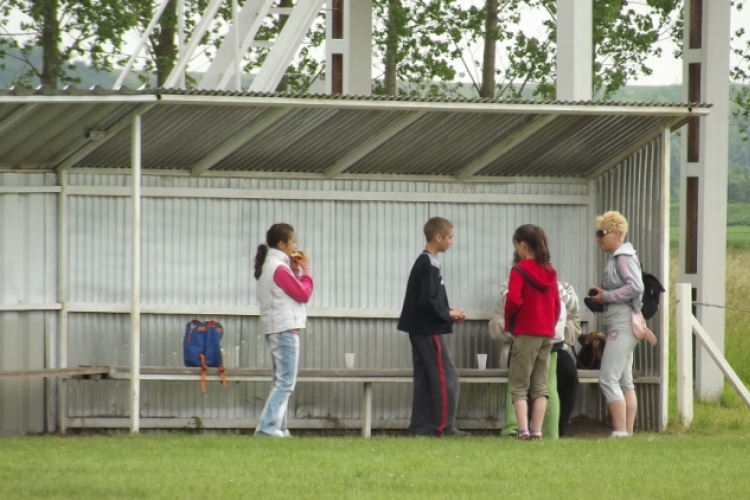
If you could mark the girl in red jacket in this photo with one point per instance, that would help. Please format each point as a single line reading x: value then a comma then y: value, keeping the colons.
x: 532, y: 307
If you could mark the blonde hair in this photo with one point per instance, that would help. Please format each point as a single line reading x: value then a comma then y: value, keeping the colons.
x: 612, y: 221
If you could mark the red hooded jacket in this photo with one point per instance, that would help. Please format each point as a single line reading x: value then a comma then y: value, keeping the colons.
x: 532, y: 305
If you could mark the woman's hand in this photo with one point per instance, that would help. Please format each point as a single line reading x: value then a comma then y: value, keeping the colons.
x: 599, y: 297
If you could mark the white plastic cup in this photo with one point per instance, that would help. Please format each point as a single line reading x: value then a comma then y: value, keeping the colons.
x: 349, y: 358
x: 482, y: 361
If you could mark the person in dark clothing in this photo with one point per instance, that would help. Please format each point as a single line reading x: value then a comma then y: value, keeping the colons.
x: 427, y: 317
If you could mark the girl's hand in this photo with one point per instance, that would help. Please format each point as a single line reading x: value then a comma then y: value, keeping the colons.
x: 599, y: 297
x: 301, y: 260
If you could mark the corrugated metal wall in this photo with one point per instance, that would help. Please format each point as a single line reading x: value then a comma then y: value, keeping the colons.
x: 27, y: 275
x: 200, y: 252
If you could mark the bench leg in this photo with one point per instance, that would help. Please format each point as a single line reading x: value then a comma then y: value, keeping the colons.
x: 367, y: 411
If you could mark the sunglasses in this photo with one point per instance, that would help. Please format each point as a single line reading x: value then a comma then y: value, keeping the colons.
x: 602, y: 234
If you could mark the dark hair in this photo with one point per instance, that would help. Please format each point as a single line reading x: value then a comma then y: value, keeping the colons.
x: 516, y: 257
x: 435, y: 226
x: 536, y: 240
x: 276, y: 234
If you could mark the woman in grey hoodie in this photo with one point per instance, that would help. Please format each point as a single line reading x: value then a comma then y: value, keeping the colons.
x: 621, y: 293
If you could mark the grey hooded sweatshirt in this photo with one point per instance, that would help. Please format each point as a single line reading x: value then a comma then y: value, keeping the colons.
x: 622, y: 285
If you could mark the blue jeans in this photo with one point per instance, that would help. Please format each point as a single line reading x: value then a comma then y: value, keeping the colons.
x: 284, y: 362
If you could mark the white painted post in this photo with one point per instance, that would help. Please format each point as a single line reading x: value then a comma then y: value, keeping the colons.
x: 135, y: 315
x: 367, y: 410
x: 664, y: 266
x: 574, y: 50
x: 181, y: 37
x: 237, y: 56
x: 718, y: 358
x: 355, y: 47
x: 711, y: 170
x: 684, y: 354
x: 62, y: 297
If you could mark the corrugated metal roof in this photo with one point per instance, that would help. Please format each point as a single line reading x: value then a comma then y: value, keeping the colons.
x: 46, y: 128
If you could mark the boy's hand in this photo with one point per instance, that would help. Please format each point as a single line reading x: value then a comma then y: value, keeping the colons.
x: 457, y: 315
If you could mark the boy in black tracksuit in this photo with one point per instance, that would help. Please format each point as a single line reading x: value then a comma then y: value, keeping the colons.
x: 426, y: 317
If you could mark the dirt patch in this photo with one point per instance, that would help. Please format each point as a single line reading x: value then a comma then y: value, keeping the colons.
x: 585, y: 427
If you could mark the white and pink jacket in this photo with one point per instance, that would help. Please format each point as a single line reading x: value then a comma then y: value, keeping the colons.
x: 282, y: 294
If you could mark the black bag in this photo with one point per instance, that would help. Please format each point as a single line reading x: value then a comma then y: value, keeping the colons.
x: 592, y: 349
x: 652, y: 290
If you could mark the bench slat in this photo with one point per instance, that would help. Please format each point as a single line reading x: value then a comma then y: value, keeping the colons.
x: 57, y: 372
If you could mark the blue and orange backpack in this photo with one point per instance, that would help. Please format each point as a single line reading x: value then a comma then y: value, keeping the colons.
x: 202, y: 348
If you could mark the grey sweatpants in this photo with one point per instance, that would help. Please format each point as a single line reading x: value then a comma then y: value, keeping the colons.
x: 616, y: 373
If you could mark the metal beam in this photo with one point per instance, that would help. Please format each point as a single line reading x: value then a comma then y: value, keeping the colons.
x: 664, y: 268
x: 575, y: 50
x: 135, y: 311
x: 356, y: 154
x: 93, y: 145
x: 237, y: 141
x: 195, y: 39
x: 63, y: 292
x: 286, y: 45
x: 16, y: 116
x: 251, y: 16
x: 139, y: 46
x: 505, y: 146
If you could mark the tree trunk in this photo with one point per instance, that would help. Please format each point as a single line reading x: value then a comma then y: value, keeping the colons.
x: 165, y: 48
x: 490, y: 48
x: 283, y: 85
x: 391, y: 47
x: 50, y: 43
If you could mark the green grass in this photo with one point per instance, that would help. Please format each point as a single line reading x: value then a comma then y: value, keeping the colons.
x: 227, y: 467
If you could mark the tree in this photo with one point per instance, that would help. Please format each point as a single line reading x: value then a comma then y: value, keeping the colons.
x: 624, y: 38
x: 63, y: 30
x: 417, y: 44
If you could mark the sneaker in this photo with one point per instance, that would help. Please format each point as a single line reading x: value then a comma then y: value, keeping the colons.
x: 619, y: 434
x: 456, y: 433
x: 523, y: 436
x: 286, y: 433
x: 535, y: 437
x: 274, y: 433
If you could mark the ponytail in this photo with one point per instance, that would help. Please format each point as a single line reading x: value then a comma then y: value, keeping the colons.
x: 260, y: 259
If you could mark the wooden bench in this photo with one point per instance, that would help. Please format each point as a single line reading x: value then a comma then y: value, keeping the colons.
x: 83, y: 372
x: 367, y: 377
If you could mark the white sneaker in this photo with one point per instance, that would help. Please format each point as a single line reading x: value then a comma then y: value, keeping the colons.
x: 275, y: 433
x: 619, y: 434
x: 286, y: 433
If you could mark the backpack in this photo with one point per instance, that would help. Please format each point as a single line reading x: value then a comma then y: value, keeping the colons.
x: 652, y: 290
x: 202, y: 348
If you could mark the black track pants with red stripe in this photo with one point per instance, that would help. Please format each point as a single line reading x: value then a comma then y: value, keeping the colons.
x: 433, y: 410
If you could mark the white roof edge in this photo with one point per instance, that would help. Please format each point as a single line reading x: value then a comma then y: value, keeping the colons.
x: 456, y: 107
x: 79, y: 99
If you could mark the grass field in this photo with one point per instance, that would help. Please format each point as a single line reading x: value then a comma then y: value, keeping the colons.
x: 672, y: 466
x: 710, y: 460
